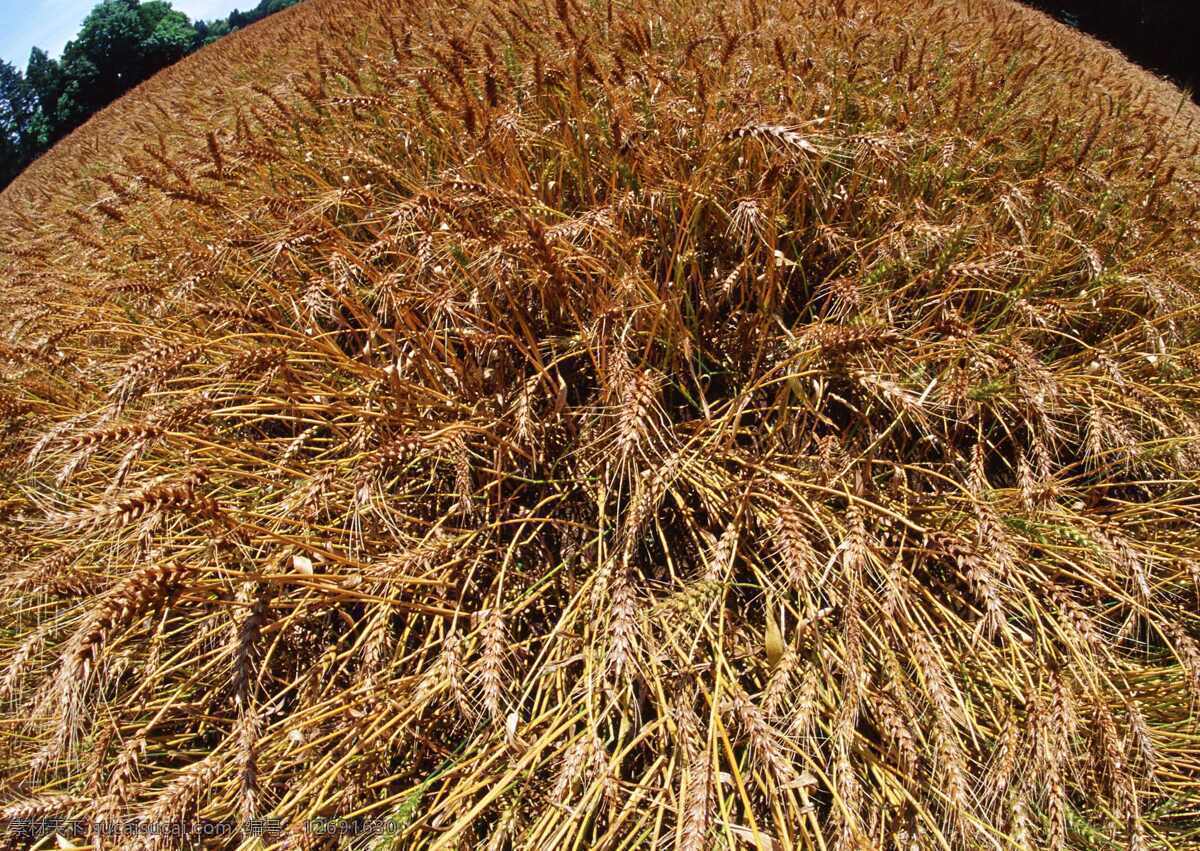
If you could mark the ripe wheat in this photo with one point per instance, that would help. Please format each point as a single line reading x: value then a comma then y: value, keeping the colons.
x: 612, y: 425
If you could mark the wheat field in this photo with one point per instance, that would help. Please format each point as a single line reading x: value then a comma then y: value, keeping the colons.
x: 609, y: 425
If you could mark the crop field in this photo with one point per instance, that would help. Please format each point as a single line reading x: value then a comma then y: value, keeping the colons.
x: 609, y: 425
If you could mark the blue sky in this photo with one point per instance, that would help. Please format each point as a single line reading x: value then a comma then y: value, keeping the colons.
x: 50, y: 24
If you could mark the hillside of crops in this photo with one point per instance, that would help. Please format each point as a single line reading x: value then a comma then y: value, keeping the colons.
x: 120, y: 43
x: 505, y: 424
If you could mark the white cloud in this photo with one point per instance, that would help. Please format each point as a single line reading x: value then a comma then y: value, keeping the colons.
x: 206, y: 10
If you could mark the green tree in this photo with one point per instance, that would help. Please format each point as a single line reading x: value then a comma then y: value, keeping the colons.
x: 214, y: 30
x: 120, y: 43
x: 18, y: 108
x: 170, y: 40
x: 153, y: 12
x: 106, y: 58
x: 45, y: 76
x: 74, y: 104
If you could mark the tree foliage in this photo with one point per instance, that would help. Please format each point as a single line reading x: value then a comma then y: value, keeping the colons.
x: 18, y: 105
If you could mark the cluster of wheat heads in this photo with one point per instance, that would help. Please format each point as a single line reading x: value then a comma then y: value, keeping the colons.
x: 610, y: 426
